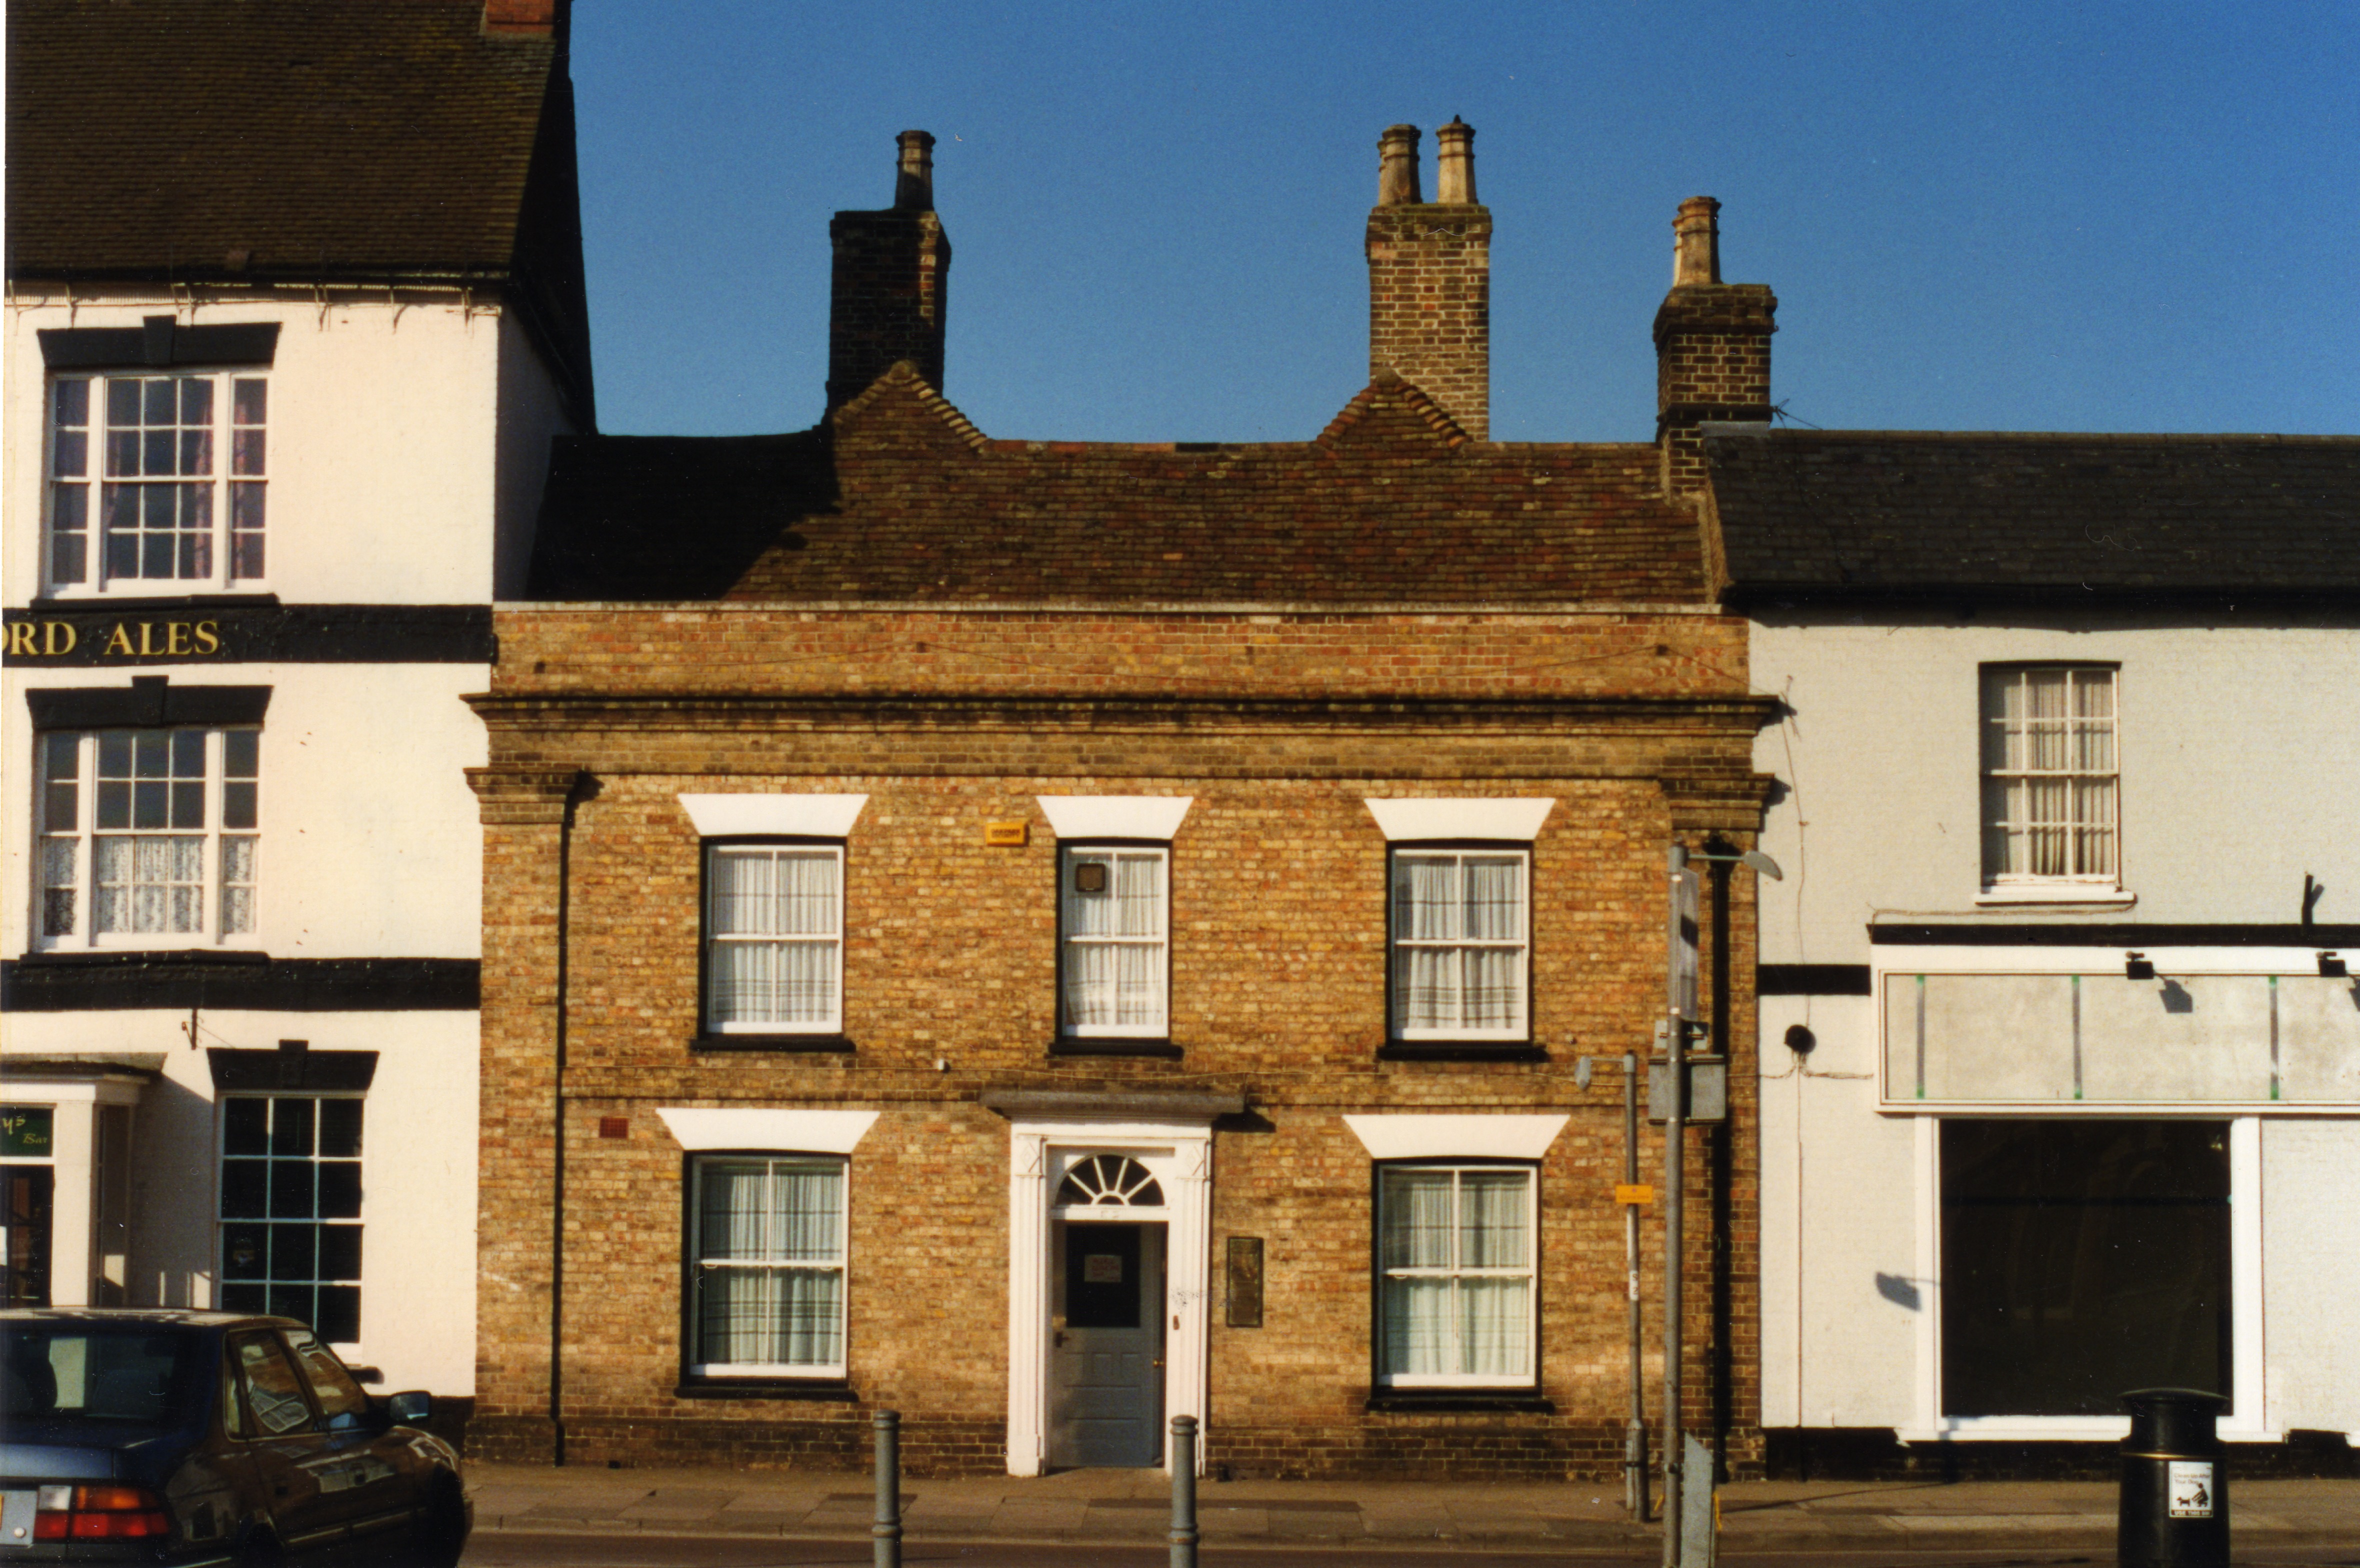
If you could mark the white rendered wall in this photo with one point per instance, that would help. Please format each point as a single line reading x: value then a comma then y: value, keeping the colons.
x: 370, y: 844
x: 384, y: 419
x: 417, y: 1167
x: 2240, y: 762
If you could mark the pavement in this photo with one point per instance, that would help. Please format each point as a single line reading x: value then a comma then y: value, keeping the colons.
x: 1133, y: 1507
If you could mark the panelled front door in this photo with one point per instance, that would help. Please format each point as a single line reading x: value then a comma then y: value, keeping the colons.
x: 1106, y: 1360
x: 25, y: 1238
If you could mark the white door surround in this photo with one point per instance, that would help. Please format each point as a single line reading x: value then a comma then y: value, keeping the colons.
x: 1049, y: 1133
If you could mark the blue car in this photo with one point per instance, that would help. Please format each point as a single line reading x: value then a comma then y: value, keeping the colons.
x: 185, y: 1437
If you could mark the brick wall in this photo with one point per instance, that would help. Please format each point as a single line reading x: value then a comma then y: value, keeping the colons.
x: 1713, y: 362
x: 1279, y: 727
x: 1430, y: 305
x: 890, y: 298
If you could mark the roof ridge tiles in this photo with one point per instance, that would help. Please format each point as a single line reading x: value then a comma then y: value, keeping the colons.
x: 905, y: 378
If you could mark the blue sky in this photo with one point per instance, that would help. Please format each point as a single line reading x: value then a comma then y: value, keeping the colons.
x: 2087, y: 217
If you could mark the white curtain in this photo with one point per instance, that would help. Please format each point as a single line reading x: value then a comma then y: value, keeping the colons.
x: 1458, y: 904
x: 1449, y: 1319
x: 2049, y: 807
x: 792, y: 897
x: 1114, y: 943
x: 757, y: 1219
x: 149, y: 882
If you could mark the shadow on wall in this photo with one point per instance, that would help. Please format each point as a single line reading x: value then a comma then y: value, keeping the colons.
x: 1900, y: 1290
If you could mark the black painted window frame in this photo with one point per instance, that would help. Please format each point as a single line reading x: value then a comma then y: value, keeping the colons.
x: 821, y: 1038
x: 1387, y: 1394
x: 693, y: 1383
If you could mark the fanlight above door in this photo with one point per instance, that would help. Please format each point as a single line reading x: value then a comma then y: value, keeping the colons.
x: 1109, y: 1182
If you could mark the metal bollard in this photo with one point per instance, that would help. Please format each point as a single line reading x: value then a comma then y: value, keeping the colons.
x: 2174, y: 1499
x: 1184, y: 1492
x: 887, y: 1532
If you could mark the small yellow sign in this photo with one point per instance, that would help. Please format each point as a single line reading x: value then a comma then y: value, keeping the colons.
x: 1633, y: 1193
x: 1006, y: 835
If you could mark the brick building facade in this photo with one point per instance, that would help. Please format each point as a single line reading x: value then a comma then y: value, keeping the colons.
x: 1049, y: 936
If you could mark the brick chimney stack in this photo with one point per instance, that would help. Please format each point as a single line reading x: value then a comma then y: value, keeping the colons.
x: 891, y: 281
x: 526, y: 18
x: 1430, y: 277
x: 1712, y: 348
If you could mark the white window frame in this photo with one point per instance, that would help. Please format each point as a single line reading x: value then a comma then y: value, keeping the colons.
x: 712, y: 939
x: 697, y: 1267
x: 84, y: 835
x: 1995, y: 780
x: 1112, y: 854
x: 93, y: 482
x: 1397, y: 944
x: 1528, y: 1270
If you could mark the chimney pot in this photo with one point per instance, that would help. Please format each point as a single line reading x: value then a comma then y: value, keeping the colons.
x: 1397, y: 166
x: 914, y: 185
x: 1696, y: 242
x: 1454, y: 159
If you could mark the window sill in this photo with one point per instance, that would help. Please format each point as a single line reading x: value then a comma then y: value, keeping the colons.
x: 87, y: 599
x: 1458, y: 1401
x: 79, y: 956
x: 1113, y: 1045
x: 2055, y: 893
x: 1460, y: 1050
x: 829, y: 1390
x: 818, y: 1044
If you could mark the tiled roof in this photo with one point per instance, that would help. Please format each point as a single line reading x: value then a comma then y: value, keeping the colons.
x: 899, y: 498
x: 323, y: 137
x: 1883, y: 514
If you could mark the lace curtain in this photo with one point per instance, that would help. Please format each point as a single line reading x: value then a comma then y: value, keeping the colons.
x: 774, y: 921
x: 1456, y: 1248
x: 771, y: 1266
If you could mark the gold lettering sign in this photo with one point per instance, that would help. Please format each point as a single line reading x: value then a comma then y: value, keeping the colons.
x: 155, y: 640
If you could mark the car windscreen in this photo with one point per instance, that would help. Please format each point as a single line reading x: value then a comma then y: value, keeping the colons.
x: 115, y: 1376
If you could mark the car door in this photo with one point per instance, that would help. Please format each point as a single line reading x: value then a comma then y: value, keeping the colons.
x: 371, y: 1466
x: 287, y: 1447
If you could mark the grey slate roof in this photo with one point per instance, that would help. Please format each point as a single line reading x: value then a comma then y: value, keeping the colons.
x: 264, y: 141
x: 1898, y: 515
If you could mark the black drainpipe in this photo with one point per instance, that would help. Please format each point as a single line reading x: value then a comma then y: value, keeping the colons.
x: 557, y: 1160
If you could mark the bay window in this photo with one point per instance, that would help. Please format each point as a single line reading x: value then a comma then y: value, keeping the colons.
x: 148, y: 837
x: 156, y: 478
x: 765, y: 1266
x: 1457, y: 1258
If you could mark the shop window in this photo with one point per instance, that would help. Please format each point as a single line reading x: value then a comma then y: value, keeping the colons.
x: 1114, y: 948
x: 1457, y: 1256
x: 149, y: 836
x: 290, y: 1209
x: 774, y: 937
x: 766, y: 1268
x: 1460, y: 920
x: 2081, y: 1259
x: 156, y: 479
x: 2051, y: 777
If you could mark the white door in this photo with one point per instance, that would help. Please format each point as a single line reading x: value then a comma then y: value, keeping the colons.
x: 1106, y: 1358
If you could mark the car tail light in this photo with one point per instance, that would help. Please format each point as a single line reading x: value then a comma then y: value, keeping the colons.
x: 100, y: 1513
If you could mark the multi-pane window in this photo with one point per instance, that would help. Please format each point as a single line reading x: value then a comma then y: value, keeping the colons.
x: 156, y: 478
x: 290, y: 1209
x: 1116, y: 953
x: 149, y: 835
x: 2050, y: 774
x: 1456, y: 1261
x: 774, y: 937
x: 1460, y: 920
x: 765, y: 1266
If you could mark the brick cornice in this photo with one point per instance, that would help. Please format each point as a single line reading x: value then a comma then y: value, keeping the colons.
x: 556, y: 711
x: 1726, y: 802
x: 509, y: 796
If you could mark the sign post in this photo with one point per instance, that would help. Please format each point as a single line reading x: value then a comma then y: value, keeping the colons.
x: 1680, y: 1006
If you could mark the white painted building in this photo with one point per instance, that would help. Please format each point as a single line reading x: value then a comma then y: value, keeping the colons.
x: 277, y: 419
x: 2061, y: 1045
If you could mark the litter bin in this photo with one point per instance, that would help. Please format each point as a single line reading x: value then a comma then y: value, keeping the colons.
x: 2175, y: 1500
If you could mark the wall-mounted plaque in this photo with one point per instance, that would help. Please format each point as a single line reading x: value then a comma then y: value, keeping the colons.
x: 1245, y: 1281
